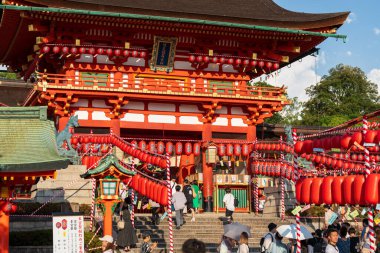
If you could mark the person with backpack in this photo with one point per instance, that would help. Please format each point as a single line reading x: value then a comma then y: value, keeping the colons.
x: 269, y: 238
x: 317, y: 243
x: 278, y: 246
x: 229, y: 202
x: 189, y: 194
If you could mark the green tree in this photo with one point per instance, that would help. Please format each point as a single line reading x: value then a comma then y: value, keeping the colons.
x: 343, y: 94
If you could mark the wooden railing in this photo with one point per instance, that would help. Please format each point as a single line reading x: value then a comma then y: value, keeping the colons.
x: 159, y: 86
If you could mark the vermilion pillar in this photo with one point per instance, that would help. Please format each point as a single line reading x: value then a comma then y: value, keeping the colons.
x: 107, y: 218
x: 4, y: 232
x: 62, y: 122
x: 251, y: 137
x: 207, y: 171
x: 115, y: 126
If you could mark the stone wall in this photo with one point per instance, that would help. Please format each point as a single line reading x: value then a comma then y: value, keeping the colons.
x: 64, y: 188
x: 273, y: 201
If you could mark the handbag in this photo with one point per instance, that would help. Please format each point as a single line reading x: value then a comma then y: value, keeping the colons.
x: 120, y: 224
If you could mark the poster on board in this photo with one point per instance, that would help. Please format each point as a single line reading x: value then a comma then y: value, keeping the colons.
x: 68, y: 233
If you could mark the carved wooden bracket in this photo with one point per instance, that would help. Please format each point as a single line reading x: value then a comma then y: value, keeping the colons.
x: 116, y: 112
x: 209, y: 114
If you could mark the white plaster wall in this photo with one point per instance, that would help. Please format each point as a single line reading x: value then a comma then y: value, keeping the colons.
x: 237, y: 110
x: 161, y: 107
x: 99, y: 115
x: 220, y: 121
x: 82, y: 114
x: 237, y: 122
x: 134, y: 105
x: 132, y: 61
x: 99, y: 103
x: 189, y: 120
x: 222, y: 110
x: 183, y: 65
x: 188, y: 108
x: 212, y: 67
x: 133, y: 117
x: 81, y: 103
x: 156, y: 118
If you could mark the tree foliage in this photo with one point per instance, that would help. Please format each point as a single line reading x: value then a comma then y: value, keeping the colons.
x: 343, y: 94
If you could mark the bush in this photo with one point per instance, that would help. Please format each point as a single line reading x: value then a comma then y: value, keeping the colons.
x: 85, y: 209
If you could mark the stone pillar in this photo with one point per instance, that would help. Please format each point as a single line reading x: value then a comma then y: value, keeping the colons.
x: 115, y: 126
x: 207, y: 171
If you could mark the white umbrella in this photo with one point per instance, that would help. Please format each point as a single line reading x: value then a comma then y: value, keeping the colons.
x: 235, y: 229
x: 290, y: 231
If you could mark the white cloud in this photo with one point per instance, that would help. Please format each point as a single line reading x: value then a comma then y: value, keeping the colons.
x: 298, y: 76
x: 374, y: 76
x: 349, y: 53
x: 376, y: 31
x: 351, y: 18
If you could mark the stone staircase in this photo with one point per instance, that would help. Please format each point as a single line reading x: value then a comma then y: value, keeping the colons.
x: 207, y: 228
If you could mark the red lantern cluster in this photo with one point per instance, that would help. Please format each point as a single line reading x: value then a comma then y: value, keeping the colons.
x: 7, y: 207
x: 90, y: 161
x: 155, y: 191
x: 243, y: 62
x: 64, y: 50
x: 336, y: 161
x: 273, y: 146
x: 272, y: 169
x: 233, y: 149
x: 341, y: 190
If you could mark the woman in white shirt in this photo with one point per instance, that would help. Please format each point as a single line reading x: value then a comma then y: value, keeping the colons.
x: 243, y: 243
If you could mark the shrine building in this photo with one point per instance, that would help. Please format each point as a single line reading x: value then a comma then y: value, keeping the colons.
x: 163, y: 72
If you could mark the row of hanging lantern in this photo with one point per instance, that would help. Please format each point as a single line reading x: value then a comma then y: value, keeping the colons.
x: 273, y: 146
x: 8, y: 207
x: 273, y: 169
x: 345, y: 142
x: 70, y: 50
x: 341, y: 190
x: 153, y: 190
x: 233, y: 149
x: 235, y: 61
x: 333, y: 162
x: 179, y: 148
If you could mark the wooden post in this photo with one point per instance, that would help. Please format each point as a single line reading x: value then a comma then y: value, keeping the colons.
x: 207, y: 171
x: 115, y: 126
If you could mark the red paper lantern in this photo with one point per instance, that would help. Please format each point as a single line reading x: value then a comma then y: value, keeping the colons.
x: 56, y: 49
x: 246, y: 62
x: 326, y: 190
x: 237, y: 61
x: 372, y: 189
x: 197, y: 149
x: 221, y: 150
x: 298, y: 147
x: 298, y: 190
x: 347, y: 189
x: 188, y: 148
x: 65, y: 50
x: 191, y: 58
x: 160, y: 147
x: 46, y: 49
x: 143, y: 186
x: 253, y: 63
x: 357, y: 137
x: 169, y: 147
x: 91, y: 50
x: 269, y: 65
x: 152, y: 146
x: 199, y: 58
x: 100, y: 51
x: 117, y: 52
x: 245, y: 150
x: 143, y: 54
x: 261, y: 64
x: 230, y: 61
x: 126, y: 53
x: 345, y: 141
x: 178, y: 148
x: 237, y: 149
x: 336, y: 188
x: 358, y: 190
x: 276, y: 66
x: 230, y: 149
x: 82, y: 50
x: 306, y: 191
x: 222, y: 60
x: 142, y: 145
x: 307, y: 147
x: 206, y: 59
x: 135, y: 53
x: 315, y: 196
x: 73, y: 50
x: 214, y: 60
x: 370, y: 136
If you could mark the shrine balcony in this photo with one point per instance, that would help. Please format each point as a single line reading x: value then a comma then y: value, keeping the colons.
x: 234, y: 89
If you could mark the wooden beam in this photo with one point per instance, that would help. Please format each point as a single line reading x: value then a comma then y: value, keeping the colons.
x: 37, y: 28
x: 289, y: 49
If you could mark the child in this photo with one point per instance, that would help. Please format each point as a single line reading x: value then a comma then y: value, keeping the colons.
x: 243, y: 243
x: 145, y: 247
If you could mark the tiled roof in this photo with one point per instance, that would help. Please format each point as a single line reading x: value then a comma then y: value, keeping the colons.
x: 27, y: 141
x: 105, y: 163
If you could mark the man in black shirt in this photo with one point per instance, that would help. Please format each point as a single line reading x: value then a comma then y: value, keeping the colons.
x: 189, y: 194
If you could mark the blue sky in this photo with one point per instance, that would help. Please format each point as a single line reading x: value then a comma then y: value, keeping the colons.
x: 362, y: 48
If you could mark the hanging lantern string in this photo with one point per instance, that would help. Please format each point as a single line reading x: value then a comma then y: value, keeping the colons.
x: 282, y: 157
